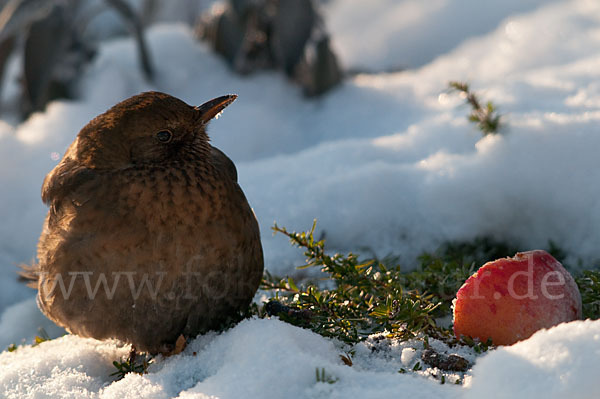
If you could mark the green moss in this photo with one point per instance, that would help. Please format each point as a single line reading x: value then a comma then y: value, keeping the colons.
x: 589, y: 286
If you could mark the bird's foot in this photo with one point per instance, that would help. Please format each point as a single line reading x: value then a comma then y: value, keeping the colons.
x: 176, y: 349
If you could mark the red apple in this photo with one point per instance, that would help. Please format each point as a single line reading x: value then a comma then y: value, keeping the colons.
x: 509, y: 299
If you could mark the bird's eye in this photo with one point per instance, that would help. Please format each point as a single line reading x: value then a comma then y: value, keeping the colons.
x: 164, y: 136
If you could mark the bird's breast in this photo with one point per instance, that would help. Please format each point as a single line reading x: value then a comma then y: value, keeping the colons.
x: 184, y: 211
x: 177, y: 196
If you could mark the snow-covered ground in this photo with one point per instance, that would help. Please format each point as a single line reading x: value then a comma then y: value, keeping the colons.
x: 270, y: 359
x: 387, y: 161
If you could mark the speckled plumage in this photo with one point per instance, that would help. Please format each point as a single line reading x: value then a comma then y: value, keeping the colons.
x: 132, y: 210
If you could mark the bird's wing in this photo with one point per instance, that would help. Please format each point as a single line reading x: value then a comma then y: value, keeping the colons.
x: 220, y: 160
x: 66, y: 189
x: 64, y: 180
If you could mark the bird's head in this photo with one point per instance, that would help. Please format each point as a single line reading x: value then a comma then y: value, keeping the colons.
x: 149, y: 128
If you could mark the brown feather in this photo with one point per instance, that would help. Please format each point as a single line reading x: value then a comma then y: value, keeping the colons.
x: 128, y: 208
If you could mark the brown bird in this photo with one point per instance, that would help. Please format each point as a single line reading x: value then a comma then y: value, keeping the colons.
x: 148, y: 236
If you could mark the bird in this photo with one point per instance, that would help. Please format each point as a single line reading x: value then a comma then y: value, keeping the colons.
x: 149, y: 237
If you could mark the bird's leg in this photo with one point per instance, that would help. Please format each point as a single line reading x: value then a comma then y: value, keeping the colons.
x: 132, y: 355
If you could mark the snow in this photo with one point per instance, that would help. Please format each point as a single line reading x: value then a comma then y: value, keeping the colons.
x: 256, y: 359
x: 387, y: 162
x: 22, y: 321
x: 558, y: 363
x: 271, y: 359
x: 408, y: 33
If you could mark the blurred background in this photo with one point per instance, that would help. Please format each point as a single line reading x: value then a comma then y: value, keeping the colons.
x: 50, y: 43
x: 344, y: 114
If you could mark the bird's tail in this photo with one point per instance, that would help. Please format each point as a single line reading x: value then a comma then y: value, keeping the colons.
x: 29, y: 274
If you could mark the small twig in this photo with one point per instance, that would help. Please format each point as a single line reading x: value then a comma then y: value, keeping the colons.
x: 486, y: 117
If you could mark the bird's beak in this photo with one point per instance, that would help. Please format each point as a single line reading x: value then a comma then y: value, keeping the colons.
x: 214, y: 107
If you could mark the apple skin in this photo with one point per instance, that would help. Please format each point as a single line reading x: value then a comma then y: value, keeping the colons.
x: 509, y: 299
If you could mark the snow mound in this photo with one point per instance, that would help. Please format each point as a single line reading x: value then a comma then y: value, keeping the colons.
x: 561, y: 362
